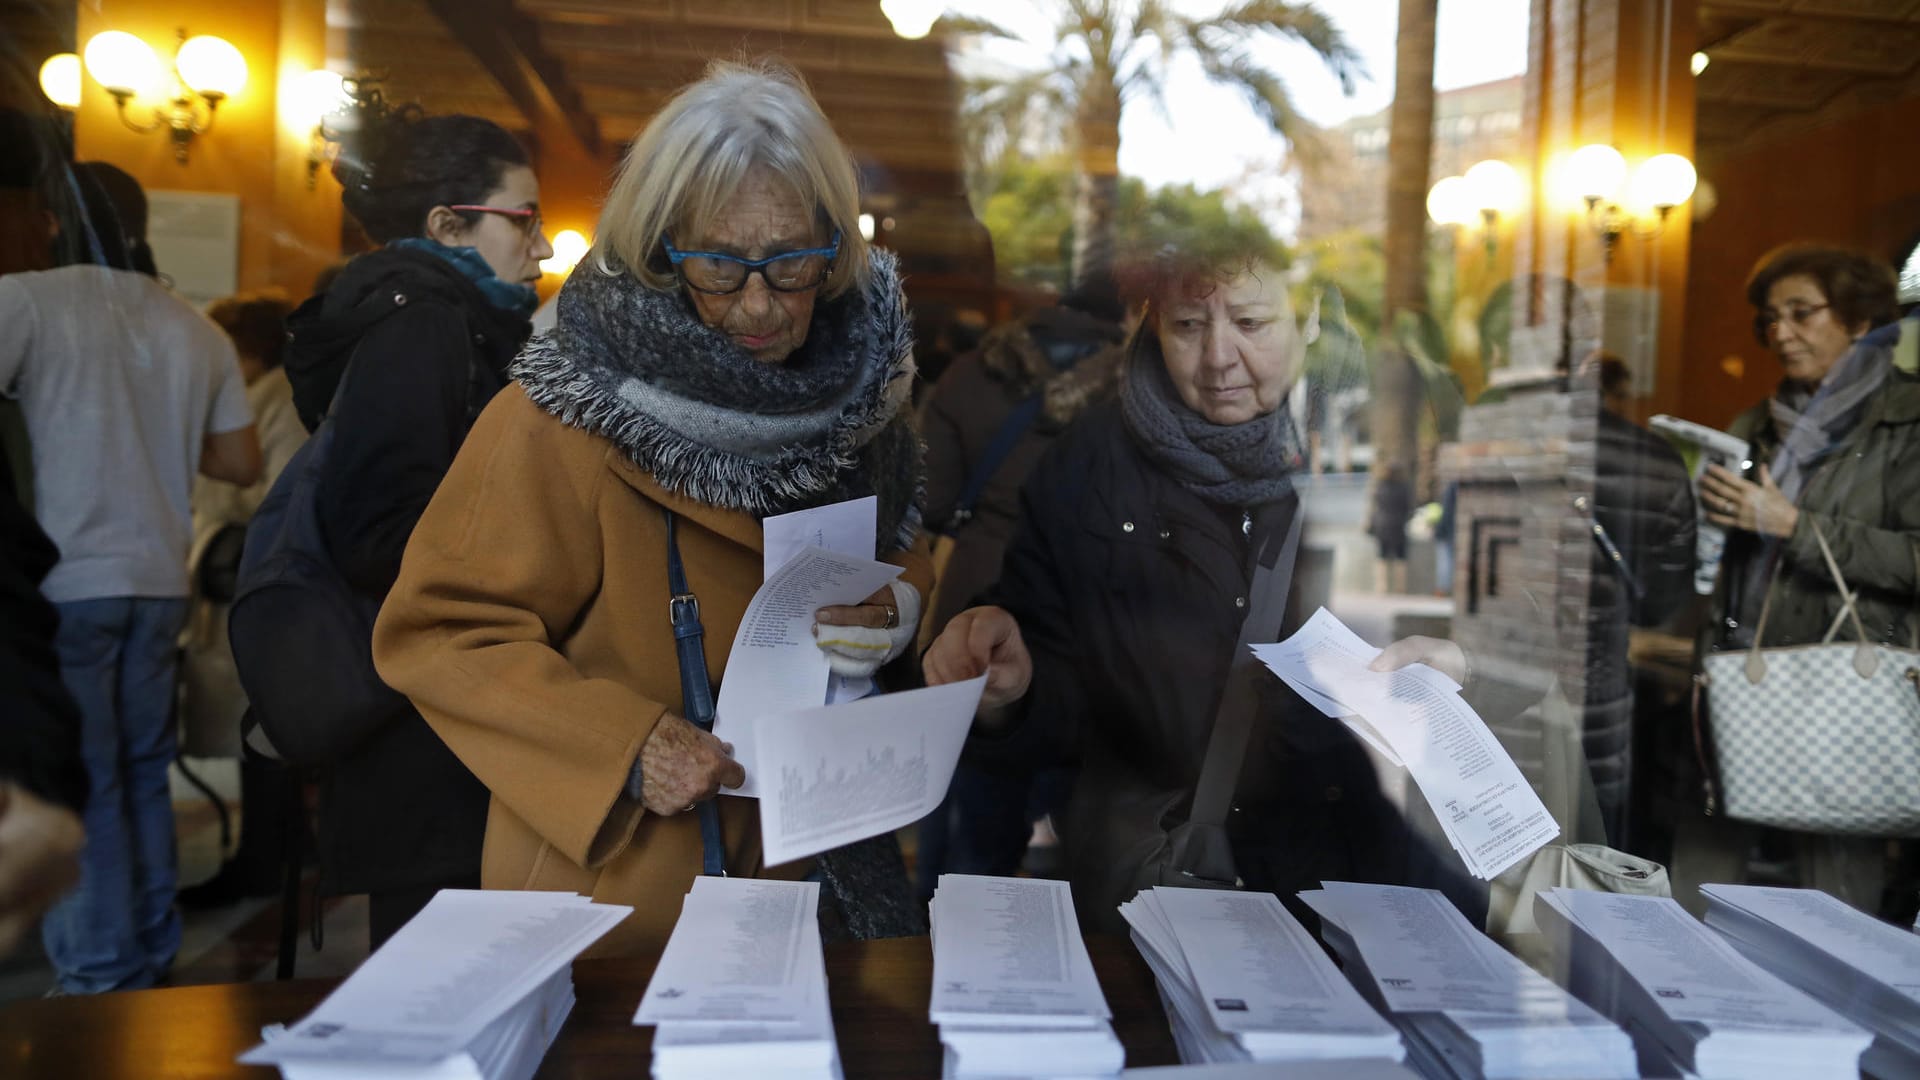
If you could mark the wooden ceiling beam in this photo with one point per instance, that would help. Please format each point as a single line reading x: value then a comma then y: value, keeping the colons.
x: 507, y: 45
x: 807, y: 51
x: 851, y: 18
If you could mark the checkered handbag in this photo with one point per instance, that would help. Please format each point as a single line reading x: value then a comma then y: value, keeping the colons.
x: 1819, y: 738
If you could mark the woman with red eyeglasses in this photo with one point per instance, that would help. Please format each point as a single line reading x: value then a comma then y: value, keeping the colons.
x: 404, y: 349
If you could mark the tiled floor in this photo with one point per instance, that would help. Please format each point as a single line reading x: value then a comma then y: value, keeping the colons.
x: 239, y: 943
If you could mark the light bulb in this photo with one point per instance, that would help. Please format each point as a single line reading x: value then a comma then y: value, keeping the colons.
x: 1698, y: 62
x: 60, y: 80
x: 123, y: 64
x: 1596, y: 171
x: 569, y: 247
x: 866, y: 226
x: 1663, y: 182
x: 1494, y: 185
x: 911, y: 19
x: 314, y: 97
x: 211, y: 66
x: 1448, y: 204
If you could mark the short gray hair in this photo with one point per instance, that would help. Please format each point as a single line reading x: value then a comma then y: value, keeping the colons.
x: 694, y: 154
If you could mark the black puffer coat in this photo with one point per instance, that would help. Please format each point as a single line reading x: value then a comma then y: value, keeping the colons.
x: 1130, y: 591
x: 427, y: 353
x: 1643, y: 498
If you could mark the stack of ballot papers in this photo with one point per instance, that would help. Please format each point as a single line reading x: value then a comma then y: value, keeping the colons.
x: 1868, y: 969
x: 1416, y: 719
x: 741, y: 989
x: 475, y: 987
x: 1014, y: 992
x: 1467, y: 1006
x: 1242, y: 980
x: 1693, y: 1004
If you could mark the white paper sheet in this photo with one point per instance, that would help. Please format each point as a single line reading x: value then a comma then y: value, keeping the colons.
x: 736, y: 955
x: 434, y: 987
x: 840, y: 773
x: 775, y: 666
x: 1491, y: 814
x: 1691, y: 972
x: 1880, y: 950
x: 1258, y: 969
x: 843, y: 528
x: 1009, y: 950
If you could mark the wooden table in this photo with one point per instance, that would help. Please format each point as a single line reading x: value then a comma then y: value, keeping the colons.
x: 880, y: 991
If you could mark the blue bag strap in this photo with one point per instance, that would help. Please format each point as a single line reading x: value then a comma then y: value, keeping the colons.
x: 696, y: 691
x: 990, y: 460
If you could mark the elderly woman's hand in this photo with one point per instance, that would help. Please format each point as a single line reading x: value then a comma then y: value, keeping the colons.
x: 1444, y: 656
x: 681, y: 765
x: 982, y: 639
x: 1734, y: 503
x: 859, y: 638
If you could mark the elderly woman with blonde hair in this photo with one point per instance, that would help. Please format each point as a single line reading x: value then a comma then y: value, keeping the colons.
x: 732, y: 349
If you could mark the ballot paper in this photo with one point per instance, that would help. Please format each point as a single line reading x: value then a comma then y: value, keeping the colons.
x: 843, y: 528
x: 775, y: 666
x: 1835, y: 953
x: 437, y: 989
x: 1366, y: 1069
x: 757, y: 946
x: 1687, y: 997
x: 1014, y: 991
x: 1245, y: 981
x: 841, y: 773
x: 1461, y: 1000
x: 1416, y: 718
x: 736, y: 955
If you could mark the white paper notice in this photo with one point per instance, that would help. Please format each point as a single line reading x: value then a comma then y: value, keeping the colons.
x: 775, y: 666
x: 1880, y: 950
x: 840, y: 773
x: 737, y: 955
x: 1490, y: 813
x: 845, y: 528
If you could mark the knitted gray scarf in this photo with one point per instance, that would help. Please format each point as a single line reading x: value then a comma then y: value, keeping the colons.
x: 1235, y: 465
x: 638, y: 367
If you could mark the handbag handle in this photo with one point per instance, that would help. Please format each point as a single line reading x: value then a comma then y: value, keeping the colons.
x: 1865, y: 660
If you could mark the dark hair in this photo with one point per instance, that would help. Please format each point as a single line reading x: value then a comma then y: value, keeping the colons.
x: 112, y: 230
x: 1615, y: 376
x: 1859, y: 288
x: 395, y: 165
x: 257, y: 323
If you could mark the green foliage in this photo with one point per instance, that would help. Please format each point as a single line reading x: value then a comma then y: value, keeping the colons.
x: 1029, y: 212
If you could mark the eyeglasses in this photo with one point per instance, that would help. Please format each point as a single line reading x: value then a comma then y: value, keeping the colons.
x: 719, y: 274
x: 529, y: 220
x: 1798, y: 316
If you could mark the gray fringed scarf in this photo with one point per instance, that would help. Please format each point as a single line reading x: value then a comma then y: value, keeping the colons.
x: 638, y: 367
x: 1811, y: 422
x: 1236, y: 465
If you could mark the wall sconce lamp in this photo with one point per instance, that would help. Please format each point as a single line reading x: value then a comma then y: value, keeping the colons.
x: 1489, y: 189
x: 206, y: 71
x: 60, y: 80
x: 313, y: 99
x: 1597, y: 173
x: 912, y: 19
x: 569, y: 247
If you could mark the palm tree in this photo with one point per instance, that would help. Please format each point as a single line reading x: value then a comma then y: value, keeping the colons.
x: 1397, y: 383
x: 1108, y: 54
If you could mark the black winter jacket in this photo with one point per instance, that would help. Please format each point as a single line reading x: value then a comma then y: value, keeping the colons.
x: 1130, y: 591
x: 427, y: 353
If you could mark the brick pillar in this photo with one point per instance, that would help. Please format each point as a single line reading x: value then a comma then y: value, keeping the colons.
x: 1611, y: 71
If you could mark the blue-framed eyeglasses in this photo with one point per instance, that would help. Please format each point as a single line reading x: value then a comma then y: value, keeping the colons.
x: 719, y: 274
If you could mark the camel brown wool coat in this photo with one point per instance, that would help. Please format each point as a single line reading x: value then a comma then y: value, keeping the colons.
x: 529, y: 626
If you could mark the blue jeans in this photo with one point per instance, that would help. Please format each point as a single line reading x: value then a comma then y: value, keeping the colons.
x: 118, y: 930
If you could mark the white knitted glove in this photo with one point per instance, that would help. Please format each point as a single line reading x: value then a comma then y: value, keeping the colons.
x: 855, y: 652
